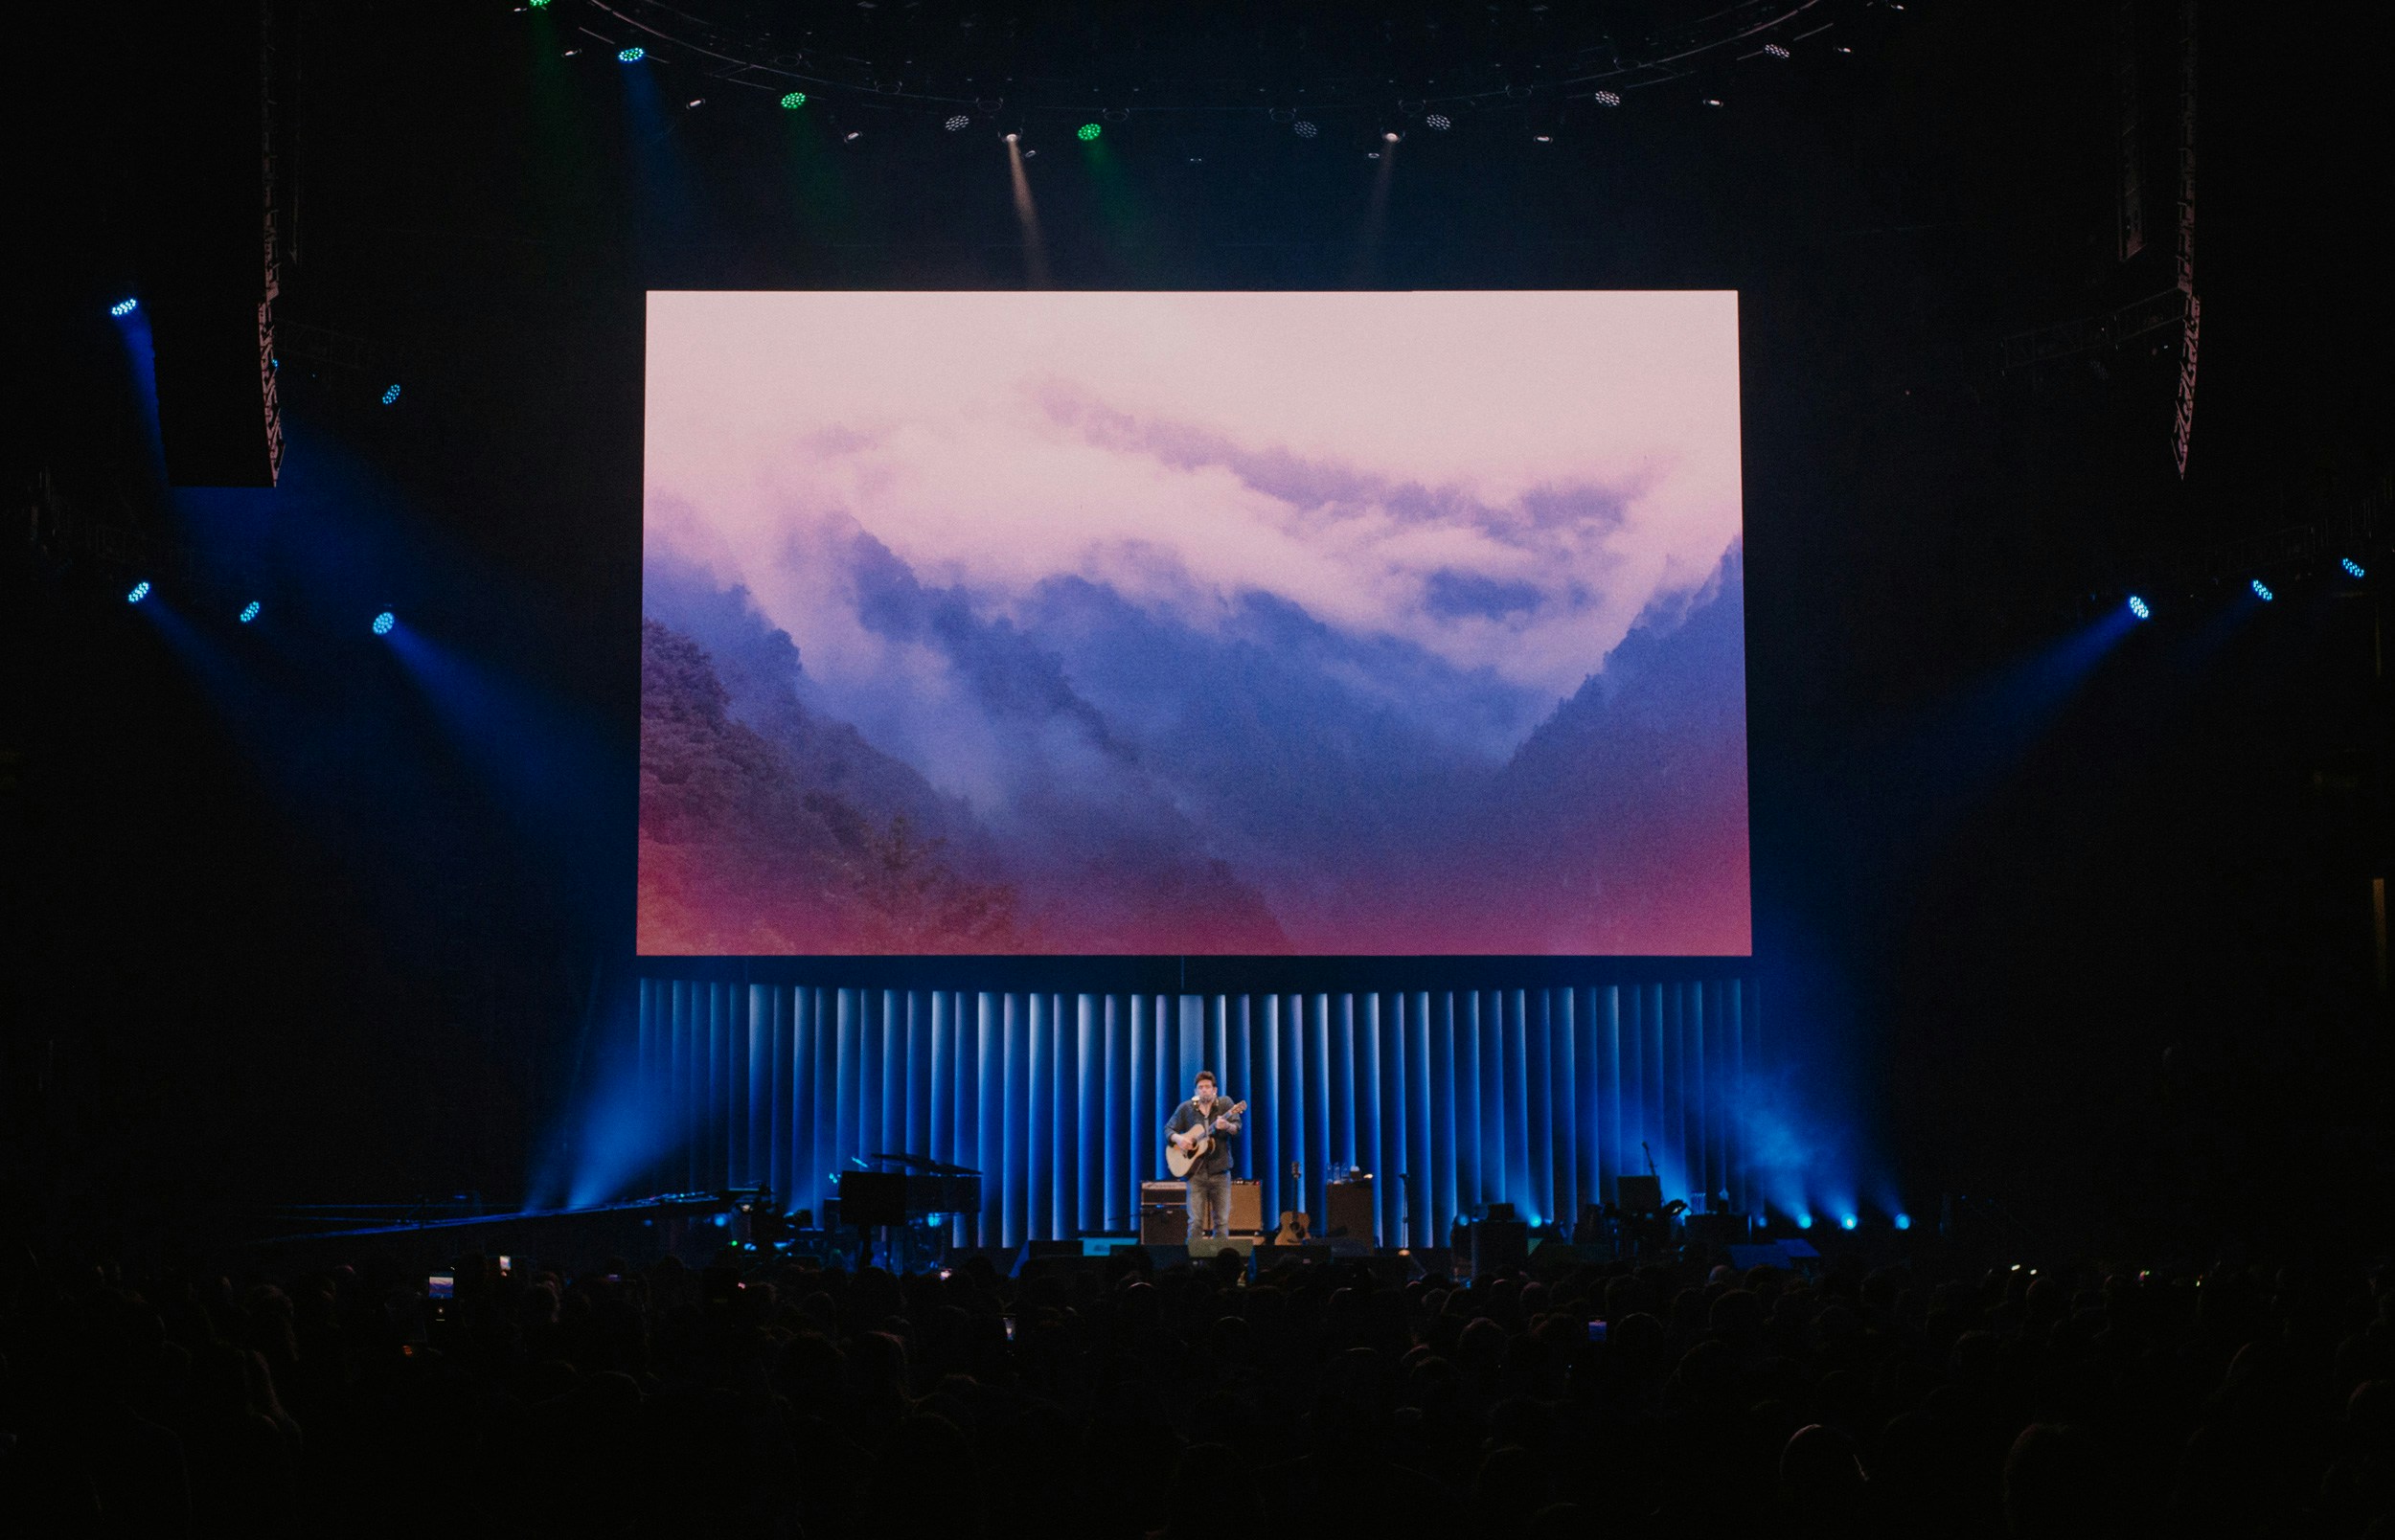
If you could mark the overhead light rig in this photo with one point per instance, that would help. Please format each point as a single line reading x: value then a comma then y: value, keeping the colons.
x: 1448, y: 68
x: 2342, y: 548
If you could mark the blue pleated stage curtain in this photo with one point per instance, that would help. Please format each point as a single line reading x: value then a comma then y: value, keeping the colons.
x: 1450, y: 1099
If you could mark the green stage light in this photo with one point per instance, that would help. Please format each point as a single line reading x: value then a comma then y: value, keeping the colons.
x: 1087, y: 131
x: 794, y: 100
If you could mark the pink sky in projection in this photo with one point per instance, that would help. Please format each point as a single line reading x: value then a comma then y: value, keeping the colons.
x: 932, y: 420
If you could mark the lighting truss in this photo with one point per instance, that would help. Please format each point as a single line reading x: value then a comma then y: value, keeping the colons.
x: 854, y: 51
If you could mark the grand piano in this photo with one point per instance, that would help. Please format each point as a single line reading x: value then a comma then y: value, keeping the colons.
x: 900, y: 1190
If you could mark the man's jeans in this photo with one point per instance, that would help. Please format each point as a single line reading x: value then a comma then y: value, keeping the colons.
x: 1209, y: 1206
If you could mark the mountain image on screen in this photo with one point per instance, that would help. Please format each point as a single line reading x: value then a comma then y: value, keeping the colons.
x: 1029, y: 624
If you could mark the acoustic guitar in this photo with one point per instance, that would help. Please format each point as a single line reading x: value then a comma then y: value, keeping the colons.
x: 1184, y: 1161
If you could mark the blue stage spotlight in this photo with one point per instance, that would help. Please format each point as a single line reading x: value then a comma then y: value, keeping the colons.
x: 2352, y: 568
x: 390, y: 395
x: 384, y: 622
x: 1804, y: 1221
x: 1846, y: 1221
x: 140, y: 591
x: 1904, y: 1221
x: 2139, y: 608
x: 631, y: 56
x: 2260, y: 591
x: 249, y: 612
x: 124, y: 308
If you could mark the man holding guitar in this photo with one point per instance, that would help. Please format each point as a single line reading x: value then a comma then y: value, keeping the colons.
x: 1199, y: 1138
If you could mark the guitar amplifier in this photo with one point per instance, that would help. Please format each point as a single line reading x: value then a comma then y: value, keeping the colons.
x: 1246, y: 1207
x: 1163, y: 1214
x: 1348, y: 1211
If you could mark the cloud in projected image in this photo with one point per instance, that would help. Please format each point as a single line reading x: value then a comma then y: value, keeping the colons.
x: 1214, y: 620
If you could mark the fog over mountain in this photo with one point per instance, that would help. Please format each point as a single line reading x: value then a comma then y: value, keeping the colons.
x: 1269, y: 784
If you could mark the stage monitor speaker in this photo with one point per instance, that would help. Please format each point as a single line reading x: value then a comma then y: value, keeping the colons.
x: 213, y: 263
x: 1164, y: 1256
x: 1348, y: 1212
x: 1004, y: 1259
x: 1640, y: 1194
x: 1716, y: 1228
x: 1497, y: 1244
x: 1067, y: 1267
x: 1202, y: 1248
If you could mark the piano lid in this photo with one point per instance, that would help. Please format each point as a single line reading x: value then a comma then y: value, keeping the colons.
x: 924, y: 1163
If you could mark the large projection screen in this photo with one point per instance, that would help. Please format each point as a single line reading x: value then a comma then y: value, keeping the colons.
x: 1198, y: 623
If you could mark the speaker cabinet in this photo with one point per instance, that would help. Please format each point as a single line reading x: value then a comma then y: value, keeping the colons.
x: 213, y: 262
x: 1163, y: 1214
x: 1348, y: 1211
x: 1498, y: 1244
